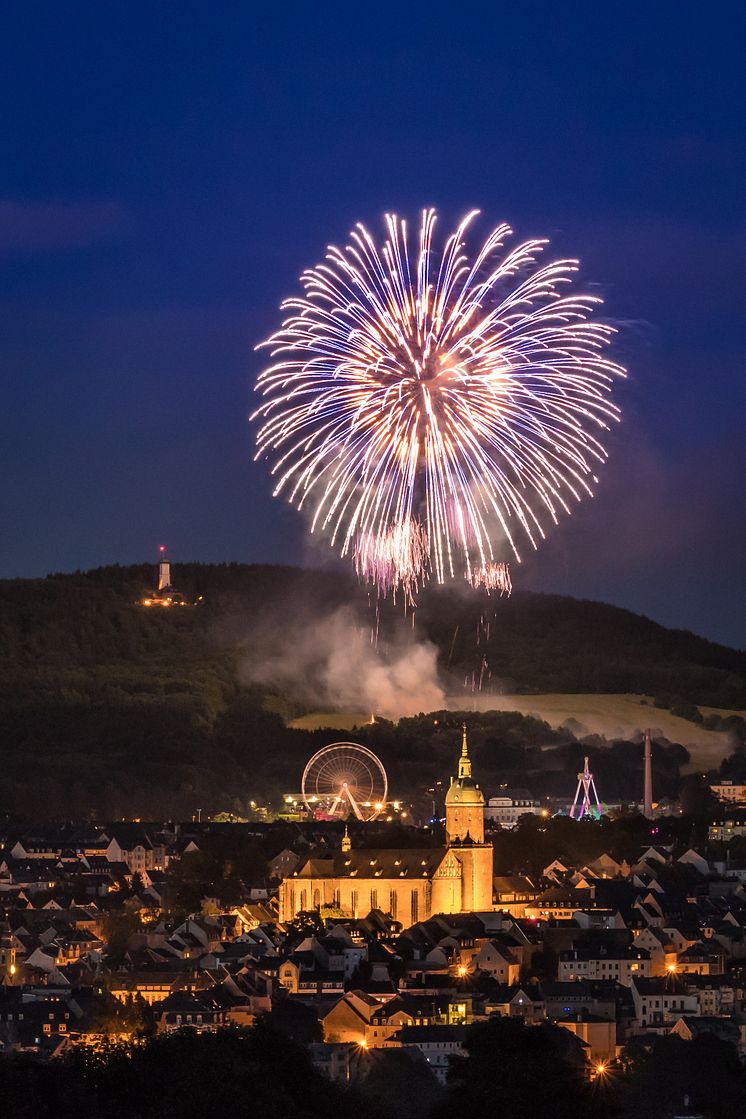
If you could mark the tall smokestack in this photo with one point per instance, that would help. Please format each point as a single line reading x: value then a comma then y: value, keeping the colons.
x: 648, y: 809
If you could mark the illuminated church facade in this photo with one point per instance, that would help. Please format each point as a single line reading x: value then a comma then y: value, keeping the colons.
x: 414, y: 884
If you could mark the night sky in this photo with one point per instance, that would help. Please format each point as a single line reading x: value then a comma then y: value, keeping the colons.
x: 167, y: 170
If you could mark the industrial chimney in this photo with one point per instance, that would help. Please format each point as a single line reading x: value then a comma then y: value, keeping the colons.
x: 648, y: 807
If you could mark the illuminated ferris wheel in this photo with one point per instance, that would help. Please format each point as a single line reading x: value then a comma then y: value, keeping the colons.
x: 342, y: 778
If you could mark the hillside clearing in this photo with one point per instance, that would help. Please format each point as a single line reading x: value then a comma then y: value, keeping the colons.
x: 613, y: 716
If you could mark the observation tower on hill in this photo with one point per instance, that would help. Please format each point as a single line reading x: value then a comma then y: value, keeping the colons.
x: 165, y: 593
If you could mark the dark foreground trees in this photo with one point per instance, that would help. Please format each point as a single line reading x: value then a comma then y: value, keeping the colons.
x: 658, y: 1078
x: 514, y: 1069
x: 509, y: 1069
x: 185, y: 1075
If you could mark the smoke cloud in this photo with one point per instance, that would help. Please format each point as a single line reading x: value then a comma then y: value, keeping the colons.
x: 331, y: 662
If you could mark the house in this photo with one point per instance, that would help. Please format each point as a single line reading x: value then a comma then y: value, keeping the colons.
x: 569, y: 999
x: 336, y: 1061
x: 729, y: 792
x: 185, y: 1010
x: 619, y: 964
x: 138, y: 846
x: 302, y: 974
x: 695, y: 859
x: 283, y: 864
x: 154, y: 985
x: 729, y: 823
x: 512, y: 892
x: 702, y: 958
x: 659, y: 1002
x: 349, y: 1018
x: 498, y: 961
x: 404, y: 1010
x: 507, y: 808
x: 524, y: 1001
x: 436, y: 1043
x: 42, y: 1020
x: 658, y: 945
x: 607, y: 867
x: 717, y: 995
x: 688, y: 1027
x: 598, y: 1034
x: 561, y: 903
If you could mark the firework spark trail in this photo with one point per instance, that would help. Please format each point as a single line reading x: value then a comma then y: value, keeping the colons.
x: 396, y: 559
x: 433, y: 407
x: 493, y: 577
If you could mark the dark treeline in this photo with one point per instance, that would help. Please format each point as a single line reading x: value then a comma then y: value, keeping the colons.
x: 536, y: 642
x: 80, y: 758
x: 508, y: 1067
x: 110, y: 709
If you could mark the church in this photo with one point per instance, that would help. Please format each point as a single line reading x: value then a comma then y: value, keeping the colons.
x: 414, y: 884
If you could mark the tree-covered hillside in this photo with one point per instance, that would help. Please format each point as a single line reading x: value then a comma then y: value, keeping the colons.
x: 534, y: 643
x: 109, y: 708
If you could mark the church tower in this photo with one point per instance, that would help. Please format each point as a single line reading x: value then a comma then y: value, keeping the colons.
x: 465, y: 836
x: 464, y: 803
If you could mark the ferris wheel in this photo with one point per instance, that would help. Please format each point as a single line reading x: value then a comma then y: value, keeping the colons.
x: 342, y: 778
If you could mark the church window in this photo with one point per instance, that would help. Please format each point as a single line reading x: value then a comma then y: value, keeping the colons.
x: 415, y: 907
x: 392, y: 904
x: 374, y: 899
x: 353, y: 902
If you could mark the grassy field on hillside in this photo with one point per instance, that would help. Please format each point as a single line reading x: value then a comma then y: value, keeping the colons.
x: 613, y: 716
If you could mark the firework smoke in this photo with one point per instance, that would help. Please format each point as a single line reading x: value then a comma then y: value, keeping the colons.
x: 329, y: 663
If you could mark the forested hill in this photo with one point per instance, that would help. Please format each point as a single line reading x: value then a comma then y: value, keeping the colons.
x: 108, y: 708
x: 535, y: 642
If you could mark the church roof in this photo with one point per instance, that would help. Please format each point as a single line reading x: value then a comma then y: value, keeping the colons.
x: 373, y: 863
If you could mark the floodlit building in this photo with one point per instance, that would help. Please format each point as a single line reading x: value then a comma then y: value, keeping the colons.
x: 165, y: 594
x: 729, y: 824
x: 411, y: 884
x: 507, y: 808
x: 729, y: 792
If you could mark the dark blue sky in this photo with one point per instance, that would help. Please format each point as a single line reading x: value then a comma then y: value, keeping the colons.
x: 167, y: 170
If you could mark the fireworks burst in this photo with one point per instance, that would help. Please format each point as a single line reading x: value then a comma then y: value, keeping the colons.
x: 430, y: 407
